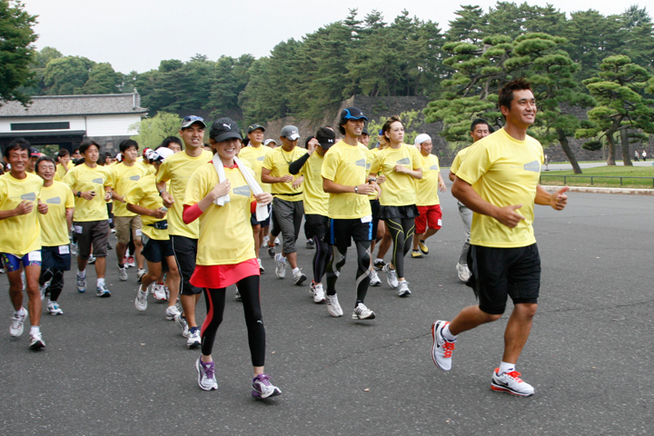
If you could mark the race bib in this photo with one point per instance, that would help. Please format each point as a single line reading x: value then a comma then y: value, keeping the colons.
x: 366, y: 219
x: 77, y: 229
x: 34, y: 256
x: 64, y: 249
x: 139, y: 232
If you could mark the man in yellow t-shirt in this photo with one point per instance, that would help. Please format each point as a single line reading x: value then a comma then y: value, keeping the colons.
x: 498, y: 180
x: 254, y: 154
x: 288, y: 207
x: 55, y: 225
x: 345, y: 178
x: 91, y: 185
x: 430, y: 219
x: 178, y: 169
x: 478, y: 129
x: 63, y: 164
x: 20, y: 238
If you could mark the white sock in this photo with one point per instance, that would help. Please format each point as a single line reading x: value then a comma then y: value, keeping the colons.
x: 449, y: 337
x: 379, y: 260
x: 100, y: 282
x: 20, y: 311
x: 506, y: 367
x: 35, y: 328
x: 81, y: 274
x: 295, y: 269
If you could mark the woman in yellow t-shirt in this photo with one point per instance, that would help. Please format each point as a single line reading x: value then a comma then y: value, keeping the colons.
x: 226, y: 250
x: 401, y: 165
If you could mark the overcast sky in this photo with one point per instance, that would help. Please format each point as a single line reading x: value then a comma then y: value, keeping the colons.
x: 138, y: 34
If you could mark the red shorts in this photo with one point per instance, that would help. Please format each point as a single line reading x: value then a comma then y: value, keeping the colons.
x: 430, y: 217
x: 221, y: 276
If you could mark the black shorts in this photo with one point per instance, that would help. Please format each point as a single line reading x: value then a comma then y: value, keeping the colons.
x: 343, y: 231
x: 316, y: 225
x: 264, y: 223
x: 502, y: 272
x: 57, y: 258
x: 402, y: 212
x: 186, y: 250
x: 156, y: 250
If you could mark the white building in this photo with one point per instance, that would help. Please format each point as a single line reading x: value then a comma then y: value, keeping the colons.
x: 67, y: 120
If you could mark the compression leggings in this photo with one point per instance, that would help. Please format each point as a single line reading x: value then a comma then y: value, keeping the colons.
x: 57, y: 281
x: 401, y: 230
x: 321, y: 259
x: 363, y: 269
x: 215, y: 299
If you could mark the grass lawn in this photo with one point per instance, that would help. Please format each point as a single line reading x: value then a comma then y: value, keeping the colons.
x: 606, y: 176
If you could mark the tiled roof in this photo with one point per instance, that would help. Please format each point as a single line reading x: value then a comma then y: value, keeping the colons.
x: 66, y: 105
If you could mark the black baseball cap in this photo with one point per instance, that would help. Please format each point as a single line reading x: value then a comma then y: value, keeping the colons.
x: 254, y: 127
x: 352, y: 113
x: 326, y: 137
x: 224, y: 128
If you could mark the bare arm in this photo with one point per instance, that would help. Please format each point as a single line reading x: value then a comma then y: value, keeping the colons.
x: 23, y: 208
x: 335, y: 188
x: 452, y: 176
x: 557, y: 199
x: 267, y: 178
x: 506, y: 215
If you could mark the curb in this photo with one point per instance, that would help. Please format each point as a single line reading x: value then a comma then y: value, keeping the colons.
x: 592, y: 190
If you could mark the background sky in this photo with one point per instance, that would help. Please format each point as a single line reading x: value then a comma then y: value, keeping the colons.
x: 138, y: 34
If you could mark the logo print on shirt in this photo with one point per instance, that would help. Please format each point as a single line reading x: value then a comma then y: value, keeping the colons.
x: 533, y: 166
x: 403, y: 161
x: 360, y: 163
x: 261, y: 158
x: 434, y: 167
x: 242, y: 190
x: 30, y: 196
x: 97, y: 180
x: 135, y: 177
x: 53, y: 200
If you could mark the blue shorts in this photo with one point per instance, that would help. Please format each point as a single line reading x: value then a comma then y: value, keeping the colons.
x: 12, y: 262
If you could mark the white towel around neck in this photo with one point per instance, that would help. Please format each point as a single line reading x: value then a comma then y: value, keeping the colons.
x: 262, y: 209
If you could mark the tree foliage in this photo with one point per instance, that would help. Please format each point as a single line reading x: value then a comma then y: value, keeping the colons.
x: 151, y: 131
x: 16, y: 50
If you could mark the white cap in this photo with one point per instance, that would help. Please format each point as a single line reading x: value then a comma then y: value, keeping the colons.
x: 421, y: 138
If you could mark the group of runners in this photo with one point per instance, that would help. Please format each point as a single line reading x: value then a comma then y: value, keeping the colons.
x: 200, y: 214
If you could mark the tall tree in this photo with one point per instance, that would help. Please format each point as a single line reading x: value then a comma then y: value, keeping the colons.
x: 102, y: 80
x: 67, y: 75
x: 16, y: 50
x: 151, y: 131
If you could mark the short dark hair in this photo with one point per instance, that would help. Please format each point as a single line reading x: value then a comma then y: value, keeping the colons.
x: 44, y: 158
x: 20, y: 144
x: 127, y: 144
x: 86, y: 144
x: 166, y: 142
x: 480, y: 121
x: 506, y: 93
x: 62, y: 152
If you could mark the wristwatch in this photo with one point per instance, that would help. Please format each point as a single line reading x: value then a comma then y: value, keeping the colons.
x: 79, y: 193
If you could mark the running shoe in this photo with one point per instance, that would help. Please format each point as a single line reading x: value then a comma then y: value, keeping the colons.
x: 167, y: 291
x: 261, y: 268
x: 130, y: 262
x: 36, y: 340
x: 311, y: 244
x: 318, y: 293
x: 333, y: 307
x: 262, y: 388
x: 378, y: 264
x: 280, y: 266
x: 42, y: 289
x: 73, y: 248
x: 141, y: 301
x: 54, y: 308
x: 391, y: 276
x: 206, y: 375
x: 404, y: 290
x: 463, y: 272
x: 264, y: 242
x: 193, y: 340
x: 237, y: 296
x: 416, y: 254
x: 102, y: 292
x: 171, y: 312
x: 182, y: 324
x: 512, y: 383
x: 81, y: 284
x: 362, y: 312
x: 271, y: 251
x: 159, y: 292
x: 298, y: 276
x: 423, y: 247
x: 277, y: 241
x: 91, y: 259
x: 140, y: 273
x: 374, y: 278
x: 17, y: 323
x: 441, y: 350
x: 122, y: 273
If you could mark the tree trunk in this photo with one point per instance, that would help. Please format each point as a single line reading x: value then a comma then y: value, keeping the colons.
x: 568, y: 151
x: 610, y: 159
x: 626, y: 154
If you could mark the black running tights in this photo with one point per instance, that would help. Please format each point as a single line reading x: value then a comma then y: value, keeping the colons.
x: 363, y: 268
x: 57, y: 283
x: 402, y: 230
x: 321, y: 258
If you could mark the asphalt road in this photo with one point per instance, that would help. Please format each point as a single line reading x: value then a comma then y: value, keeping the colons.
x: 109, y: 369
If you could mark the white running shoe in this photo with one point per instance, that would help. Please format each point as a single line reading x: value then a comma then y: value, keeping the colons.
x: 140, y: 273
x: 333, y: 307
x: 463, y: 272
x: 17, y: 323
x: 171, y: 312
x: 391, y: 276
x: 318, y: 293
x: 237, y: 295
x: 512, y: 383
x: 102, y: 292
x: 261, y: 268
x: 404, y: 290
x: 374, y: 278
x: 441, y: 350
x: 277, y: 241
x: 362, y: 312
x: 280, y: 266
x: 141, y: 301
x: 122, y: 273
x: 206, y: 375
x: 182, y: 324
x: 54, y: 308
x: 43, y: 289
x: 299, y: 277
x: 193, y: 340
x: 36, y: 340
x: 159, y: 292
x: 81, y: 284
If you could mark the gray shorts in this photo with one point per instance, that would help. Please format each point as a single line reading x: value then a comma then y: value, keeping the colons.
x: 287, y: 217
x: 91, y: 233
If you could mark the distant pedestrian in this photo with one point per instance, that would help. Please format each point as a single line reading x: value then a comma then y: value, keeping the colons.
x: 644, y: 156
x: 636, y: 156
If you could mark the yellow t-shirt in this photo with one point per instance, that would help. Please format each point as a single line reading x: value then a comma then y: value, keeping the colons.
x: 84, y: 178
x: 277, y: 161
x: 427, y: 187
x: 458, y: 159
x: 60, y: 172
x: 149, y: 169
x: 54, y: 227
x: 144, y: 193
x: 225, y: 231
x: 255, y: 156
x: 20, y: 234
x: 398, y: 189
x: 124, y: 178
x: 346, y: 165
x: 315, y: 198
x: 178, y: 168
x: 504, y: 172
